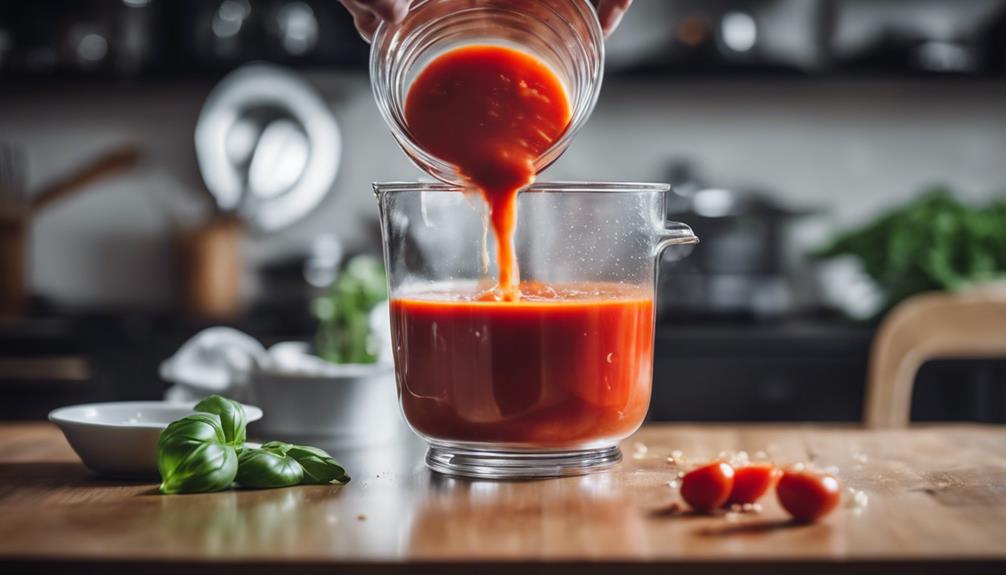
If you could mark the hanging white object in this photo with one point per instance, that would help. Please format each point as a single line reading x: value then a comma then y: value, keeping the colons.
x: 268, y: 146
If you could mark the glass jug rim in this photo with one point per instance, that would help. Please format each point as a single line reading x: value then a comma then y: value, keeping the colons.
x: 381, y: 188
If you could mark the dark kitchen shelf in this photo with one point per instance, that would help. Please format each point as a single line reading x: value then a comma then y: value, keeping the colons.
x: 777, y: 339
x: 802, y: 371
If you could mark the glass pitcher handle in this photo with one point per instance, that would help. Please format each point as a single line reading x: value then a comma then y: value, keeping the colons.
x: 675, y: 234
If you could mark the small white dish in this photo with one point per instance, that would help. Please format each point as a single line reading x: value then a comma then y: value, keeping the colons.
x: 120, y: 437
x: 340, y: 407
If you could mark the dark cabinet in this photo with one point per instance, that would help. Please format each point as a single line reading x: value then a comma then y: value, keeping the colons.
x: 803, y: 372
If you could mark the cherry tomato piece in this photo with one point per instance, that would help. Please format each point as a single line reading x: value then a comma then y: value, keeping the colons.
x: 806, y: 495
x: 708, y: 487
x: 751, y: 482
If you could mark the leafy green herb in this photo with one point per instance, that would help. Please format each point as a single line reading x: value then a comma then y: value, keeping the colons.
x: 264, y: 468
x: 934, y: 243
x: 232, y: 417
x: 319, y: 466
x: 201, y: 453
x: 344, y: 312
x: 277, y: 447
x: 192, y: 456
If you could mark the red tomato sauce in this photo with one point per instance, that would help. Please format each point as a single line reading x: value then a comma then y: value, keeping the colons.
x: 545, y: 371
x: 491, y: 111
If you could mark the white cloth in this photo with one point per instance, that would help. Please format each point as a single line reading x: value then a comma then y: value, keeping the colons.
x: 221, y: 360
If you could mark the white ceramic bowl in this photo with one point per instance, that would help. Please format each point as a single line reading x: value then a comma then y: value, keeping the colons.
x: 120, y: 438
x: 347, y: 406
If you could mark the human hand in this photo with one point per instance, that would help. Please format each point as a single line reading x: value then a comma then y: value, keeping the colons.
x: 367, y: 14
x: 610, y: 12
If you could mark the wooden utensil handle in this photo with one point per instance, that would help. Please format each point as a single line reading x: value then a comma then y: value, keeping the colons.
x: 13, y: 263
x: 210, y: 268
x: 108, y: 164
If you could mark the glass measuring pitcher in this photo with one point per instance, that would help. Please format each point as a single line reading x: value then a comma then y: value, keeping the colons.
x: 544, y: 386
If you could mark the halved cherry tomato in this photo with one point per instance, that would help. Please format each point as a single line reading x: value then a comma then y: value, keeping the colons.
x: 708, y: 487
x: 751, y: 482
x: 807, y: 495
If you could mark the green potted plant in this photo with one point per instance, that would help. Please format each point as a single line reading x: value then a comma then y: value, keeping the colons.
x: 339, y: 391
x: 934, y: 243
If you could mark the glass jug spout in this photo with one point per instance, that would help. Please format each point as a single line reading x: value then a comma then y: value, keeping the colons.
x: 674, y: 234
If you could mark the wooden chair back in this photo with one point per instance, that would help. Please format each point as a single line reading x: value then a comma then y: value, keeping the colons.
x: 925, y: 327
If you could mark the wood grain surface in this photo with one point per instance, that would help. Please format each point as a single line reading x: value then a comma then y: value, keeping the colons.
x: 936, y: 503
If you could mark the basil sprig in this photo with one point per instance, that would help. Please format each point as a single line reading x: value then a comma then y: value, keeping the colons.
x: 205, y: 452
x: 232, y: 417
x: 279, y: 447
x: 263, y: 468
x: 192, y: 456
x: 319, y: 466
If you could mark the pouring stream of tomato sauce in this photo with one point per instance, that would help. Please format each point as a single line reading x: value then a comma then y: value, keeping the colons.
x: 491, y: 111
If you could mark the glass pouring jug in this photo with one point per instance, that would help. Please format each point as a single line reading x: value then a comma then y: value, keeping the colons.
x: 563, y: 34
x: 544, y: 386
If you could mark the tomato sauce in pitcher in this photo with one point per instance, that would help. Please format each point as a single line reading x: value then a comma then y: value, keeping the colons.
x: 551, y: 370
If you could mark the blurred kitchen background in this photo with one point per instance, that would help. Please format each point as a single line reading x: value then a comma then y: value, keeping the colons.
x: 782, y: 124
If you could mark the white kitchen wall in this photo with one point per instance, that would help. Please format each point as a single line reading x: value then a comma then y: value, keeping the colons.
x: 850, y: 148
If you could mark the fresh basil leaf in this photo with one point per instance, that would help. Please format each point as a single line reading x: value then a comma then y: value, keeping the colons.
x: 277, y: 447
x: 232, y: 417
x: 319, y: 466
x: 192, y: 456
x: 183, y: 436
x: 210, y: 467
x: 263, y: 468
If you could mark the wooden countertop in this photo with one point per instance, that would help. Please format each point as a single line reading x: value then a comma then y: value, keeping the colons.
x: 936, y: 504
